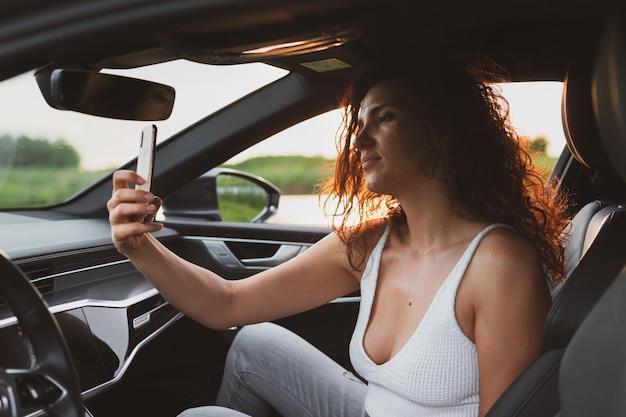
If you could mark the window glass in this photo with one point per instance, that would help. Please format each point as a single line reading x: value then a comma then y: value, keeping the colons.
x: 48, y: 155
x: 299, y: 157
x: 535, y: 111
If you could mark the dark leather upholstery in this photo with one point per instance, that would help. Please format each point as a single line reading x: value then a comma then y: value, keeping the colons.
x: 592, y: 378
x: 577, y: 115
x: 596, y: 253
x: 609, y: 90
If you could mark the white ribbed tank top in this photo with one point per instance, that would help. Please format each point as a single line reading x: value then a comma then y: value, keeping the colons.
x: 436, y: 373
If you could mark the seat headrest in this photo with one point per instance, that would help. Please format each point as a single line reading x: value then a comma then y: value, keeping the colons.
x: 609, y: 90
x: 577, y: 112
x: 592, y: 378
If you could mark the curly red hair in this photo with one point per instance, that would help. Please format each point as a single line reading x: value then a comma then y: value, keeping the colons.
x: 483, y: 162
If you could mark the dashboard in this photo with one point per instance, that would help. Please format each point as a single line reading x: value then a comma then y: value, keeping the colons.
x: 105, y: 308
x: 119, y: 328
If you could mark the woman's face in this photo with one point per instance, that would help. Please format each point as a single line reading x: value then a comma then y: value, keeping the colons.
x: 391, y: 139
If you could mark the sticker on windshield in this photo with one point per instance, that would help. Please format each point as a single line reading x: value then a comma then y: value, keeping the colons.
x: 325, y: 65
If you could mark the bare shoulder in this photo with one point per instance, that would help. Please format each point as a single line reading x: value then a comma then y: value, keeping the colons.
x: 505, y: 263
x: 503, y: 248
x: 504, y: 288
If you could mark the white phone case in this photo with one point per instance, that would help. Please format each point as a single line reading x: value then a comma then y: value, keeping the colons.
x: 145, y: 158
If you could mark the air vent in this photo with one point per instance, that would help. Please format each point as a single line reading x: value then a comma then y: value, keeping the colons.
x: 36, y: 274
x: 35, y: 271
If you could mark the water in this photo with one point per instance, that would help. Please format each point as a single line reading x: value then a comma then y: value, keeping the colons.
x: 292, y: 209
x: 299, y: 209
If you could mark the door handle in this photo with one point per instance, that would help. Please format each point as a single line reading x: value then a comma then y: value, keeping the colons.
x: 283, y: 254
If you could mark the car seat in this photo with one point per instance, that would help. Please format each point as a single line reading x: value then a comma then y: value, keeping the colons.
x: 595, y: 253
x: 592, y: 378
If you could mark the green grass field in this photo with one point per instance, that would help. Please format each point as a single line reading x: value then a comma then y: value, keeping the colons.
x: 291, y: 174
x: 27, y: 187
x: 24, y: 187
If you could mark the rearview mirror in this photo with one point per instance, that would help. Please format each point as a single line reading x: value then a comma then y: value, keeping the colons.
x: 106, y: 95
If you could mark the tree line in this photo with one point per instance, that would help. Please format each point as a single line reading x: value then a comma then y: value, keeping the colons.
x: 297, y: 174
x: 23, y: 151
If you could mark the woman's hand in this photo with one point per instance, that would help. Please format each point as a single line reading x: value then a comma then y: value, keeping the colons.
x: 127, y: 209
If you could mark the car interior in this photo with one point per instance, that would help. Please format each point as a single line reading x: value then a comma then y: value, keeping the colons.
x: 82, y: 333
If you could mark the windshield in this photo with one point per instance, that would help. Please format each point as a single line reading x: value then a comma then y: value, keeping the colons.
x: 48, y: 155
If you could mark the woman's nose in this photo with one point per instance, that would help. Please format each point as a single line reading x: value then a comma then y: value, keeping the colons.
x: 362, y: 139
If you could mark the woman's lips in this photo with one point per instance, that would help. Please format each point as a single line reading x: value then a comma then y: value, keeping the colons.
x: 367, y: 161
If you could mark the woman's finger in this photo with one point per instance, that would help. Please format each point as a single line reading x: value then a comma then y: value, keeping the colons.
x: 123, y: 178
x: 129, y: 195
x: 130, y: 212
x: 124, y: 231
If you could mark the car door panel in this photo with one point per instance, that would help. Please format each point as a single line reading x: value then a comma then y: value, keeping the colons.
x: 239, y: 250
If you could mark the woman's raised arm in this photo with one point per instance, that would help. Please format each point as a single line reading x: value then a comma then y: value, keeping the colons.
x: 313, y: 278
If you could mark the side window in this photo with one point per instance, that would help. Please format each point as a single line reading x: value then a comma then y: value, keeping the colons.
x: 535, y: 111
x: 295, y: 161
x: 298, y: 158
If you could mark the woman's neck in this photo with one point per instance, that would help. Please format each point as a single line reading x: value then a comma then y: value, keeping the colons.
x: 433, y: 222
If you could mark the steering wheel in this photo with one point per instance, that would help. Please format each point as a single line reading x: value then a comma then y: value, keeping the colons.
x: 51, y: 384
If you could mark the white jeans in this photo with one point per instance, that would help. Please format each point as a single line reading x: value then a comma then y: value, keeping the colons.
x: 270, y: 367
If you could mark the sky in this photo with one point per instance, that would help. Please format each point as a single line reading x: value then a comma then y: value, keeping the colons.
x: 103, y: 143
x: 536, y: 111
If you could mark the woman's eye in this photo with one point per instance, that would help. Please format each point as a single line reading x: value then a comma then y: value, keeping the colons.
x: 384, y: 117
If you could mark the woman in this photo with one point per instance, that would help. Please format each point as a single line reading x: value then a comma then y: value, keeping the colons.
x: 454, y: 240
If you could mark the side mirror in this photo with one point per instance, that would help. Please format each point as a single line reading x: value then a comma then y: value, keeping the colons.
x: 224, y: 194
x: 105, y: 95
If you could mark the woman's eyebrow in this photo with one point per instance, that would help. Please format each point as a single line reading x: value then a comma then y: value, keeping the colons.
x: 373, y: 110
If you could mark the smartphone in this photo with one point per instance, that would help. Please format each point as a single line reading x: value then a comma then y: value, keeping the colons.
x: 145, y: 162
x: 145, y: 158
